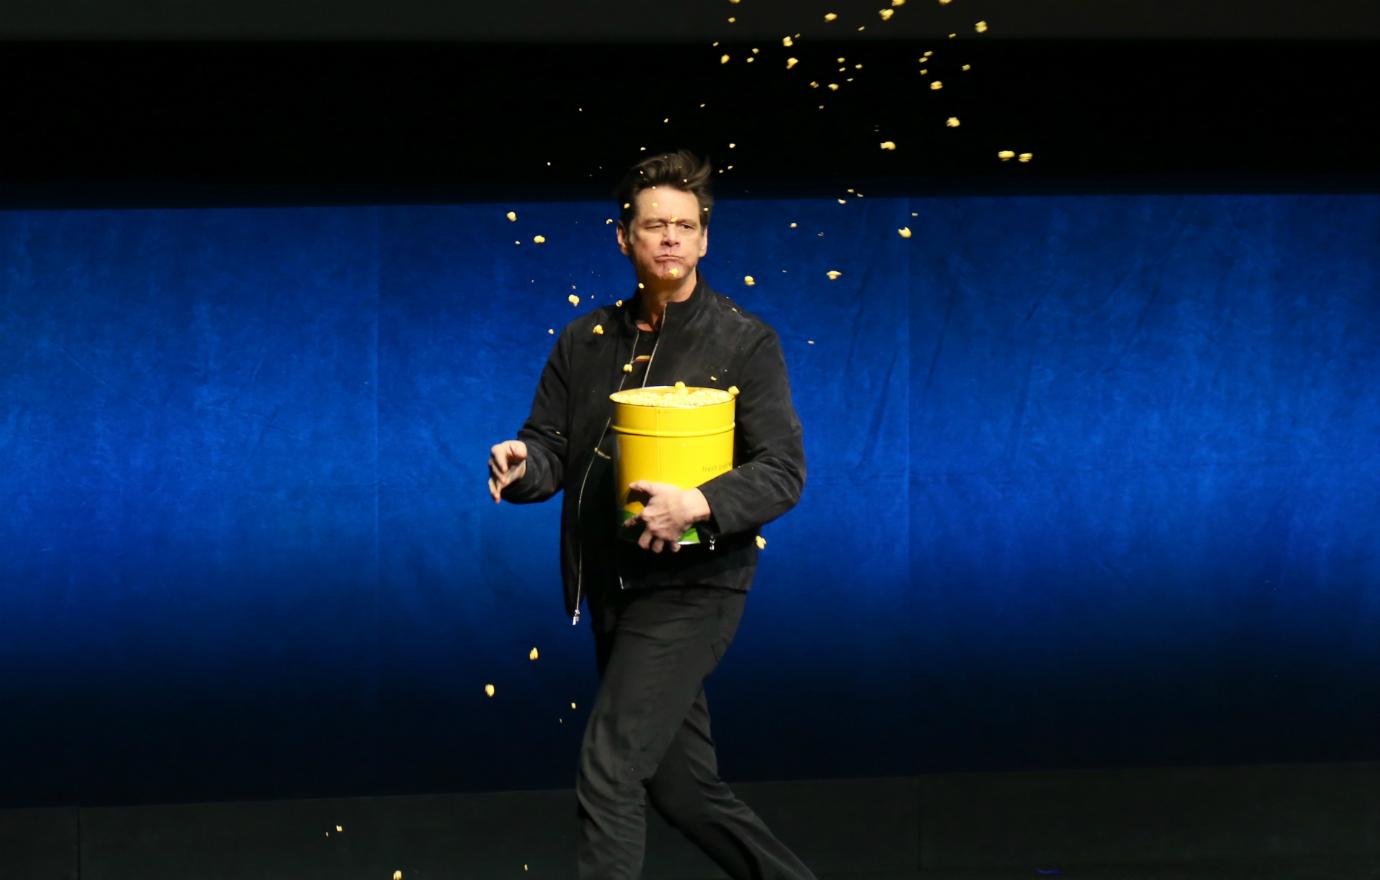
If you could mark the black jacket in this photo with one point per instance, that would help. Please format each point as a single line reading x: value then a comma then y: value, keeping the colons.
x: 704, y: 341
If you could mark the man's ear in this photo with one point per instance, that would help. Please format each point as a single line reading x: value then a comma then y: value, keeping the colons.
x: 622, y: 238
x: 704, y: 241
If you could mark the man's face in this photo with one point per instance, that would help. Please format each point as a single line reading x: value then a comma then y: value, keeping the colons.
x: 665, y: 237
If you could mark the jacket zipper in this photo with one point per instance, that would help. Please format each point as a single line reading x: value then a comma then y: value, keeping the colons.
x: 579, y: 543
x: 580, y: 498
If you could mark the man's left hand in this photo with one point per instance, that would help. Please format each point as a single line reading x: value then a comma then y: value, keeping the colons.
x: 667, y: 512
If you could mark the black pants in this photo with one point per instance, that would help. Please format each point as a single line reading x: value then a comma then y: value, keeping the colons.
x: 648, y: 738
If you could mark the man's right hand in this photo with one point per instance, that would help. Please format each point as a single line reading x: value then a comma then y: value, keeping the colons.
x: 507, y: 464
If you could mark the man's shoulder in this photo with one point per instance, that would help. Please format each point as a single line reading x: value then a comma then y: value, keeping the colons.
x: 732, y: 315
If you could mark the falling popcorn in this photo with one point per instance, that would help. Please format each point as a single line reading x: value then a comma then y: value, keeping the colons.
x: 833, y: 274
x: 488, y: 690
x: 572, y: 705
x: 787, y: 42
x: 980, y: 27
x: 627, y: 368
x: 791, y: 62
x: 573, y: 299
x: 945, y: 2
x: 936, y: 86
x: 550, y: 331
x: 733, y: 389
x: 904, y: 232
x: 794, y: 225
x: 830, y: 16
x: 967, y: 67
x: 952, y: 122
x: 761, y: 543
x: 598, y: 329
x: 1006, y: 155
x: 898, y: 2
x: 749, y: 280
x: 723, y: 59
x: 397, y: 875
x: 886, y: 14
x: 339, y: 828
x: 1026, y: 157
x: 533, y: 654
x: 512, y: 215
x: 888, y: 145
x: 539, y: 239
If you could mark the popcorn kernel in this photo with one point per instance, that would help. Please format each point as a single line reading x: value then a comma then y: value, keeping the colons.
x: 573, y: 299
x: 598, y: 329
x: 761, y: 543
x: 749, y: 280
x: 488, y: 690
x: 533, y: 655
x: 888, y: 145
x: 830, y: 16
x: 904, y: 232
x: 539, y: 239
x: 833, y: 274
x: 886, y: 14
x: 1006, y: 155
x: 512, y: 215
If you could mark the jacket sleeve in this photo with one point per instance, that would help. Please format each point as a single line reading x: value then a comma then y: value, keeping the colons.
x: 546, y: 431
x: 770, y: 471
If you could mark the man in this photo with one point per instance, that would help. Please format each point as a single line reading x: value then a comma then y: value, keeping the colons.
x: 662, y: 614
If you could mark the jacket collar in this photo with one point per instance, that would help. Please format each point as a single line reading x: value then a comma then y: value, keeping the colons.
x: 682, y: 311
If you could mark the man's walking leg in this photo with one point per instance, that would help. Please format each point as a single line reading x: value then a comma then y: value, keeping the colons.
x: 664, y: 645
x: 688, y: 792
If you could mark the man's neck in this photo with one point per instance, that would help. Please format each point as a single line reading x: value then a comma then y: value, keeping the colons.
x: 654, y: 300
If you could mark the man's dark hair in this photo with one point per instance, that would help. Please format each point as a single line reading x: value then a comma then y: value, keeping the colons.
x: 681, y: 170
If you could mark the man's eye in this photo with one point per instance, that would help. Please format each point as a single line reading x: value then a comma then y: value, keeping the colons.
x: 687, y: 227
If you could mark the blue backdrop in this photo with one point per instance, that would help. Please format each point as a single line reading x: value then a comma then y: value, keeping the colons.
x: 1092, y: 481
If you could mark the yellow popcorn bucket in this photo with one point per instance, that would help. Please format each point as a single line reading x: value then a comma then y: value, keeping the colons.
x: 663, y: 434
